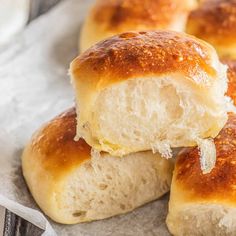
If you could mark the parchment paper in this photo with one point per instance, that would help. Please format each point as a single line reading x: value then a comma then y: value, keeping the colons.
x: 34, y: 87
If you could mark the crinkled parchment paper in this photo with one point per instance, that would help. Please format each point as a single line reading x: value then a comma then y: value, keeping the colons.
x: 34, y: 87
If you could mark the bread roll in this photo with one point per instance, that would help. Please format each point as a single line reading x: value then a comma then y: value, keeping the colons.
x: 71, y: 185
x: 215, y: 22
x: 110, y: 17
x: 150, y: 90
x: 205, y: 204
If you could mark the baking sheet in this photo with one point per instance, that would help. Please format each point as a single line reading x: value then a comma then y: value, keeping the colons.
x: 34, y: 87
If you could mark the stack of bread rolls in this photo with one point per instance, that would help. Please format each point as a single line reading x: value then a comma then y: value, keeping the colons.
x: 140, y: 95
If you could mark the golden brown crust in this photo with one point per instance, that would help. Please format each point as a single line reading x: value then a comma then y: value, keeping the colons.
x: 55, y: 146
x: 117, y: 14
x: 232, y: 79
x: 221, y: 182
x: 136, y: 54
x: 214, y: 21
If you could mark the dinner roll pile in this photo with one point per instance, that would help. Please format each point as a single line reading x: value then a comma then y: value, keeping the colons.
x: 109, y: 17
x: 141, y: 96
x: 138, y: 95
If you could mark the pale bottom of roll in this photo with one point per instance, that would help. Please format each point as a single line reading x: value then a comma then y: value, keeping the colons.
x: 203, y: 219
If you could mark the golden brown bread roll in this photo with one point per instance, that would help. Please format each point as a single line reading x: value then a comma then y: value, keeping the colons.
x: 215, y: 22
x: 150, y: 90
x: 205, y: 204
x: 110, y: 17
x: 72, y: 185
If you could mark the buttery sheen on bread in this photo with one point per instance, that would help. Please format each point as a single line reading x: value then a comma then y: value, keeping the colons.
x: 205, y: 204
x: 71, y: 185
x: 150, y: 90
x: 110, y: 17
x: 215, y: 22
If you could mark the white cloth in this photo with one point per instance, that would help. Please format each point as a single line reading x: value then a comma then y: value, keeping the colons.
x: 14, y: 15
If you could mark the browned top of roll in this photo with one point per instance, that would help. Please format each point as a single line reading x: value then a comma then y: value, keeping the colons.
x: 119, y: 13
x: 55, y: 147
x: 214, y: 19
x: 135, y: 54
x: 221, y: 182
x: 232, y: 79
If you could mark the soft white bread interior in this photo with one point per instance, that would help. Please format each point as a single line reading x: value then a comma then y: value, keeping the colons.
x: 110, y: 17
x: 205, y: 204
x: 150, y: 90
x: 72, y: 185
x: 215, y: 22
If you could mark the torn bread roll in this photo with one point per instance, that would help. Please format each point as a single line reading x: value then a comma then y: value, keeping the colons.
x: 150, y: 90
x: 215, y: 22
x: 205, y: 204
x: 71, y: 185
x: 110, y: 17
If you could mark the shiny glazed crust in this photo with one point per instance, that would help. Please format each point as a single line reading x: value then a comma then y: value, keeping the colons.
x: 138, y: 54
x: 55, y: 146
